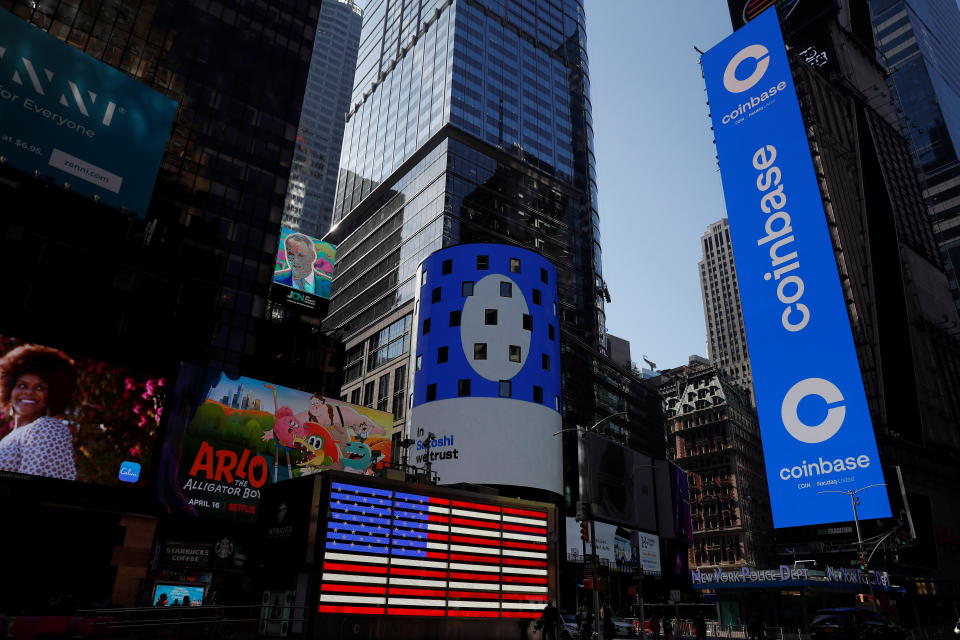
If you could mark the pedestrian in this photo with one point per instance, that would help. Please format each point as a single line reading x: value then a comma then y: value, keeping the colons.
x: 549, y: 621
x: 755, y: 627
x: 609, y: 626
x: 585, y: 620
x: 667, y: 629
x: 655, y: 626
x: 700, y: 626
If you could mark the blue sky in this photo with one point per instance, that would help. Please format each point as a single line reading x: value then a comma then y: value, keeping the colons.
x: 656, y: 168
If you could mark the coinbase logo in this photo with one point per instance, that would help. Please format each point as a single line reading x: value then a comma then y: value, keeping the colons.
x: 129, y: 471
x: 756, y: 52
x: 813, y: 433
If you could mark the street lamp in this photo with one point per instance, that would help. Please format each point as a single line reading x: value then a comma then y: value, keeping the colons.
x: 587, y: 511
x: 854, y: 502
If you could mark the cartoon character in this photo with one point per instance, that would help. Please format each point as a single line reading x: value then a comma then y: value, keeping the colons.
x: 286, y: 429
x: 357, y: 457
x: 321, y: 449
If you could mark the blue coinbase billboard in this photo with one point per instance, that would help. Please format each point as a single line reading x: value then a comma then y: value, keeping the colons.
x: 82, y: 122
x: 814, y: 421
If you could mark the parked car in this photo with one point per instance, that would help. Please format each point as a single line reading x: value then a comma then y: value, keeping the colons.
x: 624, y: 628
x: 853, y: 624
x: 568, y: 627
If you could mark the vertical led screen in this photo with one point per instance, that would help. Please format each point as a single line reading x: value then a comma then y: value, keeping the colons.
x: 815, y: 425
x: 303, y: 272
x: 487, y: 367
x: 413, y: 554
x: 68, y: 417
x: 66, y: 115
x: 231, y: 437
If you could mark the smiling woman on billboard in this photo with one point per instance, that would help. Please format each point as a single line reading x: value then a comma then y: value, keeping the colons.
x: 37, y: 383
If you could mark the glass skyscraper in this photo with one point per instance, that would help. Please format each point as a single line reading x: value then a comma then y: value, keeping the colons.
x: 313, y: 174
x: 919, y: 42
x: 470, y: 122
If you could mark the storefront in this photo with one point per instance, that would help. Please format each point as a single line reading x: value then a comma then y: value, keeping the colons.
x: 789, y: 597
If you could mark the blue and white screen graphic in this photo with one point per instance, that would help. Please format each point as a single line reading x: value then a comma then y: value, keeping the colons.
x: 814, y: 420
x: 73, y: 118
x: 487, y: 373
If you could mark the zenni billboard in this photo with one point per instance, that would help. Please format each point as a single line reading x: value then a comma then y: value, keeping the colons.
x: 66, y: 115
x: 814, y: 420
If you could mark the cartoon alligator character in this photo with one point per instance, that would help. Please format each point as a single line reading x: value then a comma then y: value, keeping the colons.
x: 321, y: 448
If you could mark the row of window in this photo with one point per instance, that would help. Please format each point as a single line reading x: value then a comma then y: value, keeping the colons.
x: 385, y: 401
x: 514, y: 354
x: 490, y: 318
x: 483, y: 264
x: 466, y: 290
x: 464, y: 390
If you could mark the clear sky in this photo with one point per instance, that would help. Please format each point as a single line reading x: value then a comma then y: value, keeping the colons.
x: 656, y: 166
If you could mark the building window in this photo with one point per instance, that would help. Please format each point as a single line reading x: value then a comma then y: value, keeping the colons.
x: 389, y: 343
x: 355, y: 396
x: 463, y: 387
x: 423, y: 278
x: 435, y: 297
x: 537, y: 296
x: 431, y: 392
x: 556, y: 403
x: 442, y: 353
x: 454, y: 318
x: 543, y: 276
x: 466, y: 288
x: 383, y: 392
x: 419, y: 363
x: 545, y: 361
x: 426, y: 326
x: 368, y: 395
x: 506, y: 290
x: 399, y: 391
x: 483, y: 263
x: 528, y: 322
x: 538, y: 394
x: 505, y: 389
x: 515, y: 354
x: 353, y: 363
x: 490, y: 316
x: 551, y: 332
x: 514, y: 265
x: 446, y: 267
x: 479, y: 350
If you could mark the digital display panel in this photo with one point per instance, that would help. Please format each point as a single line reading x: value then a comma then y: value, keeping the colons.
x: 814, y: 420
x: 304, y: 268
x: 69, y: 417
x: 411, y: 554
x: 82, y: 122
x: 178, y: 595
x: 244, y: 433
x: 487, y: 347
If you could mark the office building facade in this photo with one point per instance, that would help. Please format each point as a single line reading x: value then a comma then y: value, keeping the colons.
x: 326, y: 99
x: 470, y: 123
x: 186, y: 280
x: 918, y: 43
x: 722, y: 312
x: 713, y: 435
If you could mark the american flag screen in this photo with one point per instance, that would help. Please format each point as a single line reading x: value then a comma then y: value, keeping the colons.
x: 394, y: 553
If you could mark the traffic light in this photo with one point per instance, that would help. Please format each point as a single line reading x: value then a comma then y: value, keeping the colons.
x: 585, y: 531
x: 862, y: 562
